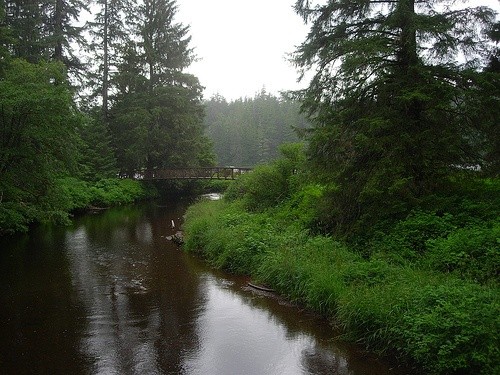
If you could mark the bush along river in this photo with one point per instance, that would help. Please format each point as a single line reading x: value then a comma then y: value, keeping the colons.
x: 112, y: 295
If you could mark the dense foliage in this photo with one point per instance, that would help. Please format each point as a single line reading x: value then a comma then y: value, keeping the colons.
x: 400, y: 101
x: 156, y: 115
x: 136, y: 108
x: 38, y: 141
x: 389, y: 222
x: 424, y: 287
x: 249, y: 131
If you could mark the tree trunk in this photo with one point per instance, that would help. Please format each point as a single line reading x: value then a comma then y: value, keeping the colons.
x: 105, y: 72
x: 58, y: 30
x: 407, y: 55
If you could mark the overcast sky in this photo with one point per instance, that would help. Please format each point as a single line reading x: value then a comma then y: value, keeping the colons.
x: 242, y: 44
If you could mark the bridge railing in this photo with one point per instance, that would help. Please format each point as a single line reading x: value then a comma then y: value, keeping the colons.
x: 202, y: 173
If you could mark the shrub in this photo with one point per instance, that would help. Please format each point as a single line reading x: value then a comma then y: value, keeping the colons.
x: 116, y: 191
x: 407, y: 240
x: 472, y: 253
x: 452, y: 328
x: 15, y: 217
x: 303, y: 206
x: 270, y: 184
x: 469, y: 200
x: 75, y: 193
x: 266, y: 187
x: 215, y: 186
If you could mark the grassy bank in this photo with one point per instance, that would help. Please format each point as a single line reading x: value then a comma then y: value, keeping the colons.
x: 424, y: 287
x: 69, y: 195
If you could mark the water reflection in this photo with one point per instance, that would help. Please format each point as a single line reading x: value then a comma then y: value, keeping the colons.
x: 112, y: 296
x: 140, y: 301
x: 238, y: 339
x: 39, y: 311
x: 247, y: 332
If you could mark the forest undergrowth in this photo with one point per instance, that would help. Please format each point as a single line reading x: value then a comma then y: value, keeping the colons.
x: 68, y: 196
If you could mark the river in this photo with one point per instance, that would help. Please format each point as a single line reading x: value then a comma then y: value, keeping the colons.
x: 111, y: 295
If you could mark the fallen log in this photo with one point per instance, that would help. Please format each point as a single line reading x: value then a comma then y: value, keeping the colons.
x: 260, y: 287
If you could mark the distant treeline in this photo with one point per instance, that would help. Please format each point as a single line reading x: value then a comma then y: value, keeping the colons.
x: 249, y: 131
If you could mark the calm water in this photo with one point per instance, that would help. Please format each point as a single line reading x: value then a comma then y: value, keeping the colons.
x: 111, y: 295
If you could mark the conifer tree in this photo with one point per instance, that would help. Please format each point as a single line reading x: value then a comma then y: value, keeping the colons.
x: 490, y: 88
x: 390, y: 100
x: 60, y: 31
x: 5, y: 40
x: 98, y: 159
x: 109, y: 33
x: 165, y: 43
x: 157, y: 117
x: 251, y: 131
x: 44, y: 30
x: 25, y: 21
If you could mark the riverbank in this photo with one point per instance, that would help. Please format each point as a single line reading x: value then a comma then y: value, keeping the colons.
x: 66, y: 290
x: 425, y: 290
x: 69, y: 196
x: 439, y: 322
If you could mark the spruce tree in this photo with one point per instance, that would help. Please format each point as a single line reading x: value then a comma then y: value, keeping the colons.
x: 390, y: 100
x: 25, y: 20
x: 251, y: 131
x: 109, y: 33
x: 5, y: 40
x: 489, y: 99
x: 156, y: 119
x: 165, y: 43
x: 44, y: 30
x: 60, y: 31
x: 98, y: 159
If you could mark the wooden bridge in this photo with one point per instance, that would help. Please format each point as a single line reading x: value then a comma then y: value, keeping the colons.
x: 209, y: 173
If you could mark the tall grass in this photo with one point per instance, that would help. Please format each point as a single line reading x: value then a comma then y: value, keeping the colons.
x: 444, y: 324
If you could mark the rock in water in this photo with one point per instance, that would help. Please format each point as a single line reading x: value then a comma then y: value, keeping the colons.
x: 177, y: 238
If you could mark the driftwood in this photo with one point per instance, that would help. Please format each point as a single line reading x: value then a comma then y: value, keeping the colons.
x: 260, y: 287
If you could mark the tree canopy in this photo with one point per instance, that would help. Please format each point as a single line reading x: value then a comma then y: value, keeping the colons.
x: 156, y: 118
x: 38, y: 139
x: 396, y: 100
x: 403, y: 100
x: 137, y: 108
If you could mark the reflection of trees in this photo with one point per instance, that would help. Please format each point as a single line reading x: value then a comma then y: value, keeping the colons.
x: 141, y: 300
x: 113, y: 222
x: 324, y: 355
x: 318, y: 360
x: 178, y: 297
x: 40, y: 327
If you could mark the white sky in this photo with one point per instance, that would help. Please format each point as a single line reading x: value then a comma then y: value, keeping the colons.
x: 242, y: 44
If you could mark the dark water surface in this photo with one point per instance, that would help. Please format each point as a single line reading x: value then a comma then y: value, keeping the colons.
x: 110, y: 295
